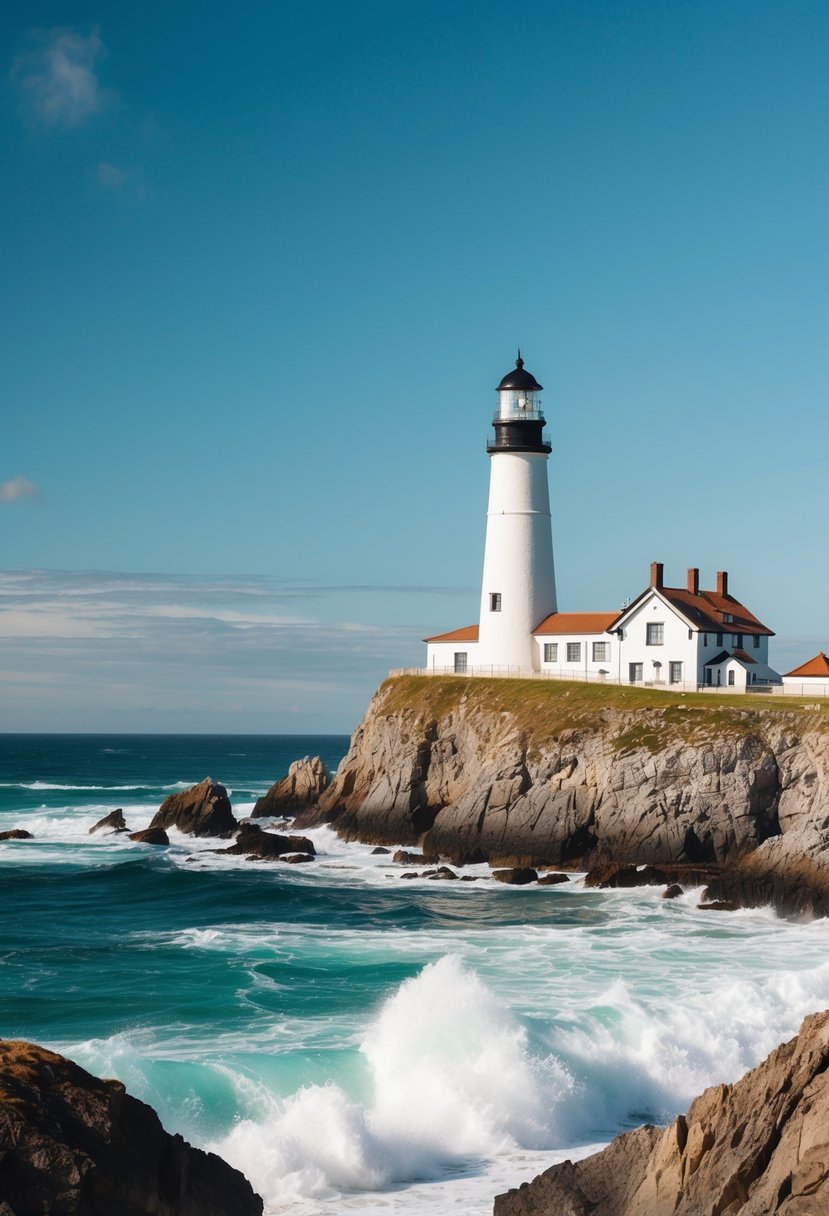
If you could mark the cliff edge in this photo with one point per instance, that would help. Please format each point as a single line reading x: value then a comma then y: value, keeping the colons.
x: 558, y: 773
x: 755, y: 1148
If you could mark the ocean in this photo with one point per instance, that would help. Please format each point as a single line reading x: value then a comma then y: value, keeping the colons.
x: 349, y: 1040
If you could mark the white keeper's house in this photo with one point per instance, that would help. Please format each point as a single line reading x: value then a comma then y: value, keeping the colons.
x: 679, y: 637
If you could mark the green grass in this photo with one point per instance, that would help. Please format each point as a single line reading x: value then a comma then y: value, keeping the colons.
x: 644, y: 717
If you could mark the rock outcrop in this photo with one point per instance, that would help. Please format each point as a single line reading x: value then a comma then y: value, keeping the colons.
x: 76, y: 1145
x: 148, y: 836
x: 16, y: 834
x: 203, y: 810
x: 755, y: 1148
x: 575, y: 775
x: 113, y: 822
x: 253, y: 843
x: 306, y: 781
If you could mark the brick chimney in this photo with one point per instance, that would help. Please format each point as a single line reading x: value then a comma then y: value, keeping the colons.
x: 722, y: 582
x: 656, y: 575
x: 693, y: 580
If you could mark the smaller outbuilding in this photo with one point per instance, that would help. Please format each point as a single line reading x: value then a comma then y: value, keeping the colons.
x: 812, y: 676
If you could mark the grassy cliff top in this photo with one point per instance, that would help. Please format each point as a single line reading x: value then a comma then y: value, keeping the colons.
x: 644, y: 717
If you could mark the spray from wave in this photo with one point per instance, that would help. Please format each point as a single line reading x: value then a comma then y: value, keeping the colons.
x: 450, y: 1081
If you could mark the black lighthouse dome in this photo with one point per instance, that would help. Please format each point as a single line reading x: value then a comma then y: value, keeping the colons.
x: 519, y: 379
x: 519, y: 421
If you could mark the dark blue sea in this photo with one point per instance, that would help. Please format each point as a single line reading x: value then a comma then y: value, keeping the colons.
x: 350, y: 1040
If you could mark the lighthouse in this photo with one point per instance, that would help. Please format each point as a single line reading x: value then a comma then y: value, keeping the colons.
x: 519, y: 585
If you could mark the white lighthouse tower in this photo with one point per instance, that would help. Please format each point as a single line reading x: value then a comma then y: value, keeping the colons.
x: 519, y: 584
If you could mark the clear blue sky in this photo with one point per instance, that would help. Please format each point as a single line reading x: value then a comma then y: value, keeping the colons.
x: 263, y: 266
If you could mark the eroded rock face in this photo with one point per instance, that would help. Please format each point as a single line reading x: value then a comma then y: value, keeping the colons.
x: 468, y: 781
x: 80, y: 1146
x: 306, y: 781
x: 755, y: 1148
x: 203, y: 810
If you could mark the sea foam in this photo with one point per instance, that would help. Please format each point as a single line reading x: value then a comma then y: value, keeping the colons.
x: 450, y: 1080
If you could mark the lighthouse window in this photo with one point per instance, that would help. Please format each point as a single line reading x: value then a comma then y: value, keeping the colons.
x: 655, y: 635
x: 573, y: 652
x: 551, y: 652
x: 601, y: 652
x: 495, y: 601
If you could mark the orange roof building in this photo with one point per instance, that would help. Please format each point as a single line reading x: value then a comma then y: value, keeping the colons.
x: 814, y: 669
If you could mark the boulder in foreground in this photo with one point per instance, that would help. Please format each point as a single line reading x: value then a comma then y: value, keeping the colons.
x: 307, y: 779
x: 203, y: 810
x: 16, y: 834
x: 73, y: 1144
x: 755, y: 1148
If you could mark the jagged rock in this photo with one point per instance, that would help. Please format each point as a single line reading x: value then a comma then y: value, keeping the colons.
x: 673, y: 891
x: 16, y: 834
x: 552, y: 880
x: 755, y: 1148
x: 294, y: 859
x: 790, y: 872
x: 79, y: 1146
x: 516, y: 876
x: 150, y: 835
x: 410, y: 874
x: 113, y: 822
x: 719, y: 905
x: 253, y: 842
x: 443, y: 873
x: 403, y: 858
x: 307, y: 779
x: 203, y: 810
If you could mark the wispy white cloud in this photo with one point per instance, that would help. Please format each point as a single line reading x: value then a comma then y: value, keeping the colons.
x: 19, y: 489
x: 56, y: 76
x: 117, y: 180
x: 88, y: 650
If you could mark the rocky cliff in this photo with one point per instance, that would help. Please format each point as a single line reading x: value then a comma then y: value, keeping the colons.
x: 755, y: 1148
x: 556, y: 773
x: 71, y: 1143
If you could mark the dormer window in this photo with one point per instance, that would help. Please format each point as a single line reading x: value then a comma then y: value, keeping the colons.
x: 728, y: 617
x: 495, y: 601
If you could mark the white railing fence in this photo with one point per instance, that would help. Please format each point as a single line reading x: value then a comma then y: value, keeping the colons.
x: 590, y: 677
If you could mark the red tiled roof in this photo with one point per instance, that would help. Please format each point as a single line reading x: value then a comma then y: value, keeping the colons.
x: 706, y: 610
x: 575, y: 622
x: 818, y: 666
x: 469, y: 633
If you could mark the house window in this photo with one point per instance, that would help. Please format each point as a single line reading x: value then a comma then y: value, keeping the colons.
x: 737, y: 640
x: 727, y: 618
x: 460, y: 662
x: 634, y: 672
x: 495, y: 601
x: 574, y: 652
x: 675, y: 673
x: 705, y: 639
x: 719, y: 639
x: 601, y: 652
x: 731, y: 677
x: 757, y: 641
x: 551, y: 652
x: 708, y: 676
x: 654, y: 633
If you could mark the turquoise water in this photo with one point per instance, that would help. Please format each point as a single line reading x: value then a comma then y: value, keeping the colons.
x: 348, y: 1039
